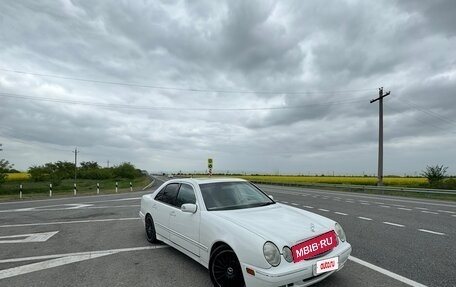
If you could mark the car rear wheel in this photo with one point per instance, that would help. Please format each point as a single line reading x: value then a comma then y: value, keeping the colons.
x: 224, y: 268
x: 151, y: 235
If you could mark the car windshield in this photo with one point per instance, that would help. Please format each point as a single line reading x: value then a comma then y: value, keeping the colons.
x: 233, y: 195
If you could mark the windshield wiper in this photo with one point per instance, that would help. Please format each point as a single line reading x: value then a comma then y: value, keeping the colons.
x: 266, y: 203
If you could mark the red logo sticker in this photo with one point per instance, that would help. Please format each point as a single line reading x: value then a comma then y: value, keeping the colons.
x: 314, y: 246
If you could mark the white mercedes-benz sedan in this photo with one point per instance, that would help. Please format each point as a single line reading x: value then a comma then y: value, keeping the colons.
x: 242, y: 235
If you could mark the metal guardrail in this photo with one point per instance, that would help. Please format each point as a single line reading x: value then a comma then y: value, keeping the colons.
x: 363, y: 187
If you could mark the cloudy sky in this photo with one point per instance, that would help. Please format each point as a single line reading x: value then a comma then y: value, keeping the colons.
x: 259, y: 86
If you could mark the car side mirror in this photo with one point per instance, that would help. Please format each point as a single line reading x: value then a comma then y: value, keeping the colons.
x: 189, y: 207
x: 271, y: 197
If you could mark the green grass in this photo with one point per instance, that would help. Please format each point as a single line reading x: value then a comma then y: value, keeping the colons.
x: 31, y: 189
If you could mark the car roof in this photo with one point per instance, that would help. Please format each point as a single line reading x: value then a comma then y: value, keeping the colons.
x: 204, y: 180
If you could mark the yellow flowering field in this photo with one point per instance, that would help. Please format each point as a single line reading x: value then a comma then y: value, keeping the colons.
x: 17, y: 176
x: 358, y: 180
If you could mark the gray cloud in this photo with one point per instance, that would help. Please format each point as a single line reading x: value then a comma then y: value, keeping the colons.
x: 287, y: 84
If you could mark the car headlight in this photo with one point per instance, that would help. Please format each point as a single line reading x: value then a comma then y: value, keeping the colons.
x: 340, y: 232
x: 271, y: 253
x: 286, y: 251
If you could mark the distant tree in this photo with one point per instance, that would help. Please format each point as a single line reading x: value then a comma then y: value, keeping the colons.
x: 126, y: 170
x: 87, y: 165
x: 54, y: 172
x: 5, y: 167
x: 435, y: 174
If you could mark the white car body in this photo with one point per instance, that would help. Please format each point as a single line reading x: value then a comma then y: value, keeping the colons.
x: 245, y: 231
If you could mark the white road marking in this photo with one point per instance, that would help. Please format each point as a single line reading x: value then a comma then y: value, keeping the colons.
x: 364, y: 218
x: 376, y: 202
x: 60, y: 259
x: 386, y: 272
x: 286, y: 202
x: 325, y: 210
x: 432, y: 232
x: 385, y: 206
x: 454, y: 215
x: 393, y: 224
x: 340, y: 213
x: 403, y: 208
x: 398, y: 205
x: 428, y: 212
x: 365, y: 203
x: 295, y: 204
x: 446, y: 211
x: 421, y: 208
x: 28, y: 238
x: 349, y: 201
x: 307, y: 206
x: 70, y: 222
x: 50, y: 207
x: 114, y: 206
x: 77, y: 206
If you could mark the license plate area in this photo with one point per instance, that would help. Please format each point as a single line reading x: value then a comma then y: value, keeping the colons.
x: 326, y: 265
x: 315, y: 246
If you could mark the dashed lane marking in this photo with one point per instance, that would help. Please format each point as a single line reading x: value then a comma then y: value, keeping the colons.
x: 365, y: 218
x: 421, y: 208
x: 432, y: 232
x: 295, y: 204
x: 322, y: 209
x: 340, y: 213
x: 403, y: 208
x: 428, y: 212
x: 385, y: 206
x: 393, y: 224
x: 446, y: 211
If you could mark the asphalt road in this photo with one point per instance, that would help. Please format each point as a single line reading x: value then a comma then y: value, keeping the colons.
x: 412, y: 238
x: 99, y: 241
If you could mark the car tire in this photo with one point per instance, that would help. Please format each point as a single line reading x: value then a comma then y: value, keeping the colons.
x: 224, y: 268
x: 151, y: 235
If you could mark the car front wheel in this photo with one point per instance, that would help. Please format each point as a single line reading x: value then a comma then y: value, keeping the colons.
x: 224, y: 268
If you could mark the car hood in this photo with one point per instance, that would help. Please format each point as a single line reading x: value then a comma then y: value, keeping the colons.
x: 279, y: 223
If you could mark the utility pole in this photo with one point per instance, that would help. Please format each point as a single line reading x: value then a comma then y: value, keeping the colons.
x: 75, y: 163
x: 380, y: 133
x: 1, y: 147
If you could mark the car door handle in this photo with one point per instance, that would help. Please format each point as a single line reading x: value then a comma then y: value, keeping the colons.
x: 172, y: 213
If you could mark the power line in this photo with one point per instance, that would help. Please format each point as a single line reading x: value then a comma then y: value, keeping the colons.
x: 158, y: 87
x: 430, y: 113
x: 136, y: 107
x: 417, y: 119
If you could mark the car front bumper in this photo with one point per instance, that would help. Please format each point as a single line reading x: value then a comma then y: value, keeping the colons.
x: 294, y: 274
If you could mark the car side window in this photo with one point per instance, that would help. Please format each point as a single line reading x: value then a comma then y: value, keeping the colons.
x: 186, y: 195
x: 168, y: 194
